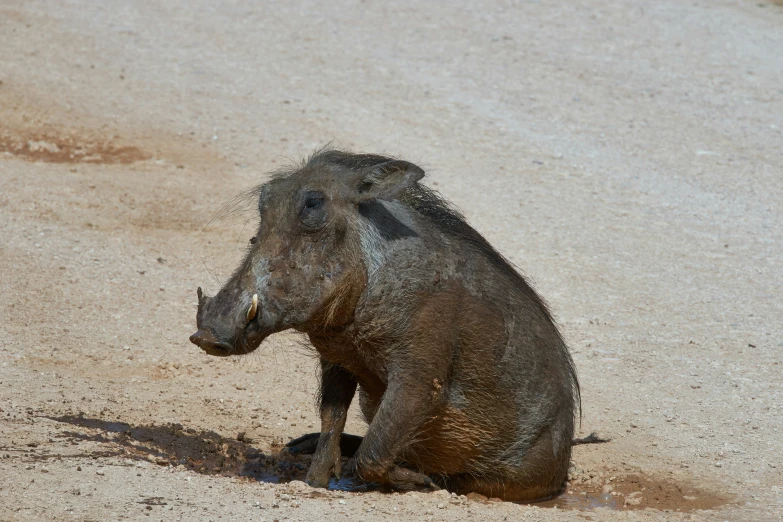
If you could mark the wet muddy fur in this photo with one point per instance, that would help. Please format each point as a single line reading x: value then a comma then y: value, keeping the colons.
x: 461, y: 374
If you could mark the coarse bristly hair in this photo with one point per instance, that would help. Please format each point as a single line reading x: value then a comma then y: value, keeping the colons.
x: 438, y: 210
x: 461, y: 370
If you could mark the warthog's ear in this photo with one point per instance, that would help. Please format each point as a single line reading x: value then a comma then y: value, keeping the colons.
x: 387, y: 180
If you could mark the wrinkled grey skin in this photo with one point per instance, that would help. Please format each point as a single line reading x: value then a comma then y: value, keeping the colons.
x: 462, y: 375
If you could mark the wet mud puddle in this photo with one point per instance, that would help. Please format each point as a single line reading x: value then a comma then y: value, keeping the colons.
x: 629, y: 492
x: 636, y: 491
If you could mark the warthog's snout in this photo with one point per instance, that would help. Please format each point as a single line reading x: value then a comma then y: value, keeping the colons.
x: 206, y: 340
x: 227, y: 324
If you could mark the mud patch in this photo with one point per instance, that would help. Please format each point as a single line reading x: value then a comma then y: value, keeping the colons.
x: 636, y: 491
x: 51, y: 148
x: 205, y: 452
x: 209, y: 453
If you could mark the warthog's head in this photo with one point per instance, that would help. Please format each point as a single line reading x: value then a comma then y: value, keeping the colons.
x: 306, y: 266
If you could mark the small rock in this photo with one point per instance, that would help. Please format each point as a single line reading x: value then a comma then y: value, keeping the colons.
x: 285, y: 496
x: 441, y: 493
x: 441, y: 506
x: 607, y: 489
x: 99, y: 472
x: 341, y: 502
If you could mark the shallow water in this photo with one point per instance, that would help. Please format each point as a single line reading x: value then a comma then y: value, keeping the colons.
x: 583, y: 501
x: 350, y: 483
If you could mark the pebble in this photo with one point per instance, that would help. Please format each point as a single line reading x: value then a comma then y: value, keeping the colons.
x: 633, y: 499
x: 441, y: 506
x: 99, y: 472
x: 341, y: 502
x: 607, y: 489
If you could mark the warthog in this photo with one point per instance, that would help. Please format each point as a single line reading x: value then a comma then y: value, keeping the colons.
x: 463, y: 378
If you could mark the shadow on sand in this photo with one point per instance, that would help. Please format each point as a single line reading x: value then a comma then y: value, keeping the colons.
x: 205, y: 452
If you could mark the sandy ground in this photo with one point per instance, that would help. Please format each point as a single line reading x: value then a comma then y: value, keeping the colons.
x: 627, y: 156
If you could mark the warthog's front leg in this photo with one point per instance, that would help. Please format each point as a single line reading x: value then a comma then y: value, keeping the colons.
x: 338, y: 387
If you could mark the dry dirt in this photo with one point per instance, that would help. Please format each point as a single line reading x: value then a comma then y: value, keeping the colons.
x: 628, y: 156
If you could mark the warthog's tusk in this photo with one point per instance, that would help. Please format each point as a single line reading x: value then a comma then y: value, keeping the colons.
x: 251, y: 313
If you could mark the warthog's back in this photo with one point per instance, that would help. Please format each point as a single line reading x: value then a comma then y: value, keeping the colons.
x: 511, y: 386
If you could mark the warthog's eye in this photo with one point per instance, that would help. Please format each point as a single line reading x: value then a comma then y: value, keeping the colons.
x: 313, y: 202
x: 253, y: 240
x: 313, y: 210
